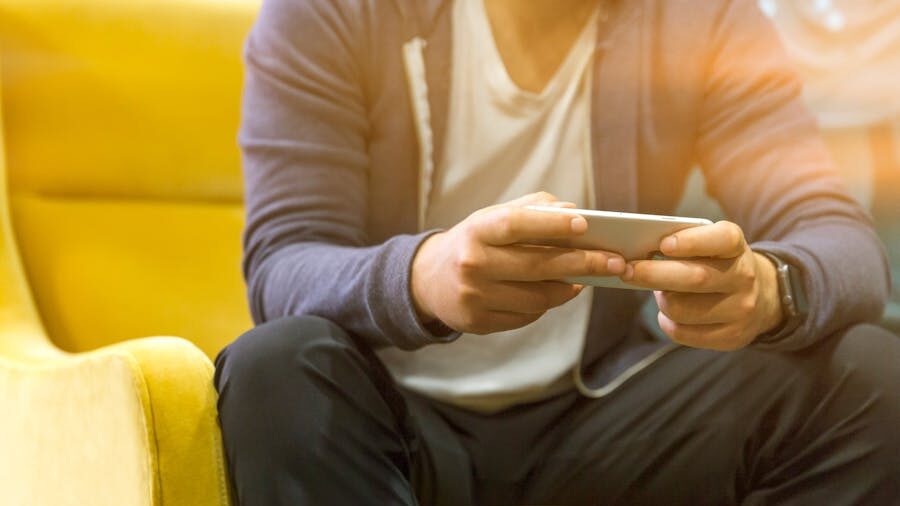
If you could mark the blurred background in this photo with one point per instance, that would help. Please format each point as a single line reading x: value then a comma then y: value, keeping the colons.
x: 848, y: 52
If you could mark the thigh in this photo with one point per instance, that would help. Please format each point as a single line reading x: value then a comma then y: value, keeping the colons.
x: 442, y: 473
x: 704, y: 427
x: 309, y: 415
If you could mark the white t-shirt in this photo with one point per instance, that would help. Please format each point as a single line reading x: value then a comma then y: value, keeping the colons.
x: 502, y: 143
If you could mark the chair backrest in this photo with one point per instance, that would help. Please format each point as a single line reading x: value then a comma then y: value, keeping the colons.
x: 124, y: 177
x: 21, y: 332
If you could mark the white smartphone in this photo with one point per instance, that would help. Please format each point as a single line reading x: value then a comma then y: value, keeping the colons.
x: 634, y: 236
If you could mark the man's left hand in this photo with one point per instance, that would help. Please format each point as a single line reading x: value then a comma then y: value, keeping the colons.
x: 714, y: 291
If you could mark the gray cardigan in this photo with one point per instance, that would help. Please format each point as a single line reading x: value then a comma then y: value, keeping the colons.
x: 332, y: 160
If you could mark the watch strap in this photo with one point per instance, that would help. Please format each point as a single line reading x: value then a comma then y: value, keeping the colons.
x: 792, y: 297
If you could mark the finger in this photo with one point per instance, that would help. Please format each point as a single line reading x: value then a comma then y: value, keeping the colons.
x: 509, y: 225
x: 531, y: 298
x: 541, y: 263
x: 701, y: 308
x: 720, y: 337
x: 531, y: 199
x: 691, y: 276
x: 721, y: 240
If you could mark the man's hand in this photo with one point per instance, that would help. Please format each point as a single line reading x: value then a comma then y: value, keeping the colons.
x: 479, y: 277
x: 717, y: 294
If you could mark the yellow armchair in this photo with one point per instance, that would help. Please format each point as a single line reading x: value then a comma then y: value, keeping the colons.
x: 120, y: 217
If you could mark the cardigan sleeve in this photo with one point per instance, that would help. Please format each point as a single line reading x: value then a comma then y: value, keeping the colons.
x: 766, y: 164
x: 303, y: 138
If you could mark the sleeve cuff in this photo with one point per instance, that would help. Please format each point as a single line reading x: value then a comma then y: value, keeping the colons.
x: 792, y: 337
x: 403, y: 313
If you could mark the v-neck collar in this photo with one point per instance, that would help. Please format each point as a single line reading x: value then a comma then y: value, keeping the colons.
x: 497, y: 71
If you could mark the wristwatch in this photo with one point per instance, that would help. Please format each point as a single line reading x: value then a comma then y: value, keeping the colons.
x: 792, y: 296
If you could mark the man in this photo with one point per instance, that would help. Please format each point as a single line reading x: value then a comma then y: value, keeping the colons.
x: 413, y: 351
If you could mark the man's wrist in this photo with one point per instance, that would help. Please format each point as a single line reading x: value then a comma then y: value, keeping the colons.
x: 418, y: 277
x: 418, y: 289
x: 791, y: 298
x: 773, y: 316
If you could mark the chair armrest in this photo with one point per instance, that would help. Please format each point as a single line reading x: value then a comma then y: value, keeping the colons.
x: 134, y: 423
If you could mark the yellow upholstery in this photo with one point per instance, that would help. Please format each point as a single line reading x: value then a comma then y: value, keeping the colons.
x: 120, y: 218
x: 147, y: 267
x: 124, y: 173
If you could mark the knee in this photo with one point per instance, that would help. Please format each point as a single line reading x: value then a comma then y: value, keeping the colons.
x: 277, y: 351
x: 865, y: 365
x: 870, y: 352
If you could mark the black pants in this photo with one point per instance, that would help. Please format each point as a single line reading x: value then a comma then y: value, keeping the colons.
x: 311, y: 418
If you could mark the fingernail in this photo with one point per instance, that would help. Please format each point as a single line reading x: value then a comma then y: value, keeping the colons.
x: 579, y: 224
x: 615, y: 265
x: 629, y: 272
x: 668, y: 244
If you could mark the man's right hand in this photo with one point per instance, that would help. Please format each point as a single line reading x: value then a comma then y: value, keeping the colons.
x: 481, y: 277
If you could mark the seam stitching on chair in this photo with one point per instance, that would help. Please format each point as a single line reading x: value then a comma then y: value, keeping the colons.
x: 126, y: 199
x: 140, y: 384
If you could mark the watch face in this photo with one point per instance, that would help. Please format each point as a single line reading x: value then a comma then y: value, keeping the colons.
x: 790, y: 287
x: 786, y: 290
x: 787, y: 303
x: 798, y: 291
